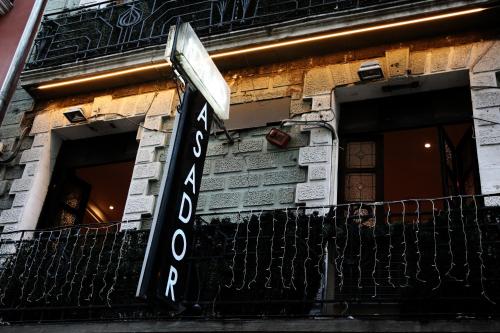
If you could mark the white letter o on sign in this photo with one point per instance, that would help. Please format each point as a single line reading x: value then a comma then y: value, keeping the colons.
x: 179, y: 257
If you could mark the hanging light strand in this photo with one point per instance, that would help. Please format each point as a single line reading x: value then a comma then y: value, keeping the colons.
x: 480, y: 253
x: 405, y: 247
x: 417, y: 243
x: 295, y: 237
x: 233, y: 264
x: 360, y: 253
x: 125, y: 244
x: 344, y: 248
x: 335, y: 240
x: 254, y: 279
x: 308, y: 248
x: 391, y: 246
x: 283, y: 257
x: 84, y: 275
x: 269, y: 268
x: 245, y: 257
x: 30, y: 260
x: 450, y: 245
x: 40, y: 264
x: 466, y: 245
x: 70, y: 265
x: 434, y: 233
x: 106, y: 270
x: 5, y: 286
x: 375, y: 250
x: 52, y: 261
x: 78, y: 264
x: 322, y: 255
x: 98, y: 265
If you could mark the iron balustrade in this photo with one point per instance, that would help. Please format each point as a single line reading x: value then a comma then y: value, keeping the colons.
x: 108, y: 28
x: 426, y: 258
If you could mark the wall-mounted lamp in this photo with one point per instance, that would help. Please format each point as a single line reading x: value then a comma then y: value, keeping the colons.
x: 370, y: 70
x: 75, y: 115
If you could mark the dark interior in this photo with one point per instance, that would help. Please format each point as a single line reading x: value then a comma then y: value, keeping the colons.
x: 90, y: 181
x: 424, y: 149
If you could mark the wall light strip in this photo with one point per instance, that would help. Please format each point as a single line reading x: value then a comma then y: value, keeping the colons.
x: 272, y: 46
x: 103, y: 76
x: 347, y: 32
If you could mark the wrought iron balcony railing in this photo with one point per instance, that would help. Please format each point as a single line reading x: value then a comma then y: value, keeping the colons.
x: 426, y: 259
x: 93, y: 31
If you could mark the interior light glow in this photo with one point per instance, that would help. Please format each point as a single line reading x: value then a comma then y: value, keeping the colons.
x: 348, y: 32
x: 427, y: 145
x: 273, y: 45
x: 111, y: 207
x: 103, y: 76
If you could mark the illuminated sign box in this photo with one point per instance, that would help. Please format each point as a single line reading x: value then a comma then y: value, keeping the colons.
x: 197, y: 66
x: 164, y: 274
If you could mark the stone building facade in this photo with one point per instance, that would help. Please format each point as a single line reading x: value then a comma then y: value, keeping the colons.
x: 250, y: 174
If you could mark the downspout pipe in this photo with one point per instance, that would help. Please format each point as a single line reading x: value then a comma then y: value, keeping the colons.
x: 22, y: 50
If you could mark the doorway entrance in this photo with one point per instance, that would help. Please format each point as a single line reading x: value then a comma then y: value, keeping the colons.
x: 408, y: 147
x: 90, y: 181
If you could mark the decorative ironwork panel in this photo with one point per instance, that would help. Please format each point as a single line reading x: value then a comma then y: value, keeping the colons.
x: 92, y: 31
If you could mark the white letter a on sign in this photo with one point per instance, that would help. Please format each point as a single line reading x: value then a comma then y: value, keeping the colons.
x: 203, y: 116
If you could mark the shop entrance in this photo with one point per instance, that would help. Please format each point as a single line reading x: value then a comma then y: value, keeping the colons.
x: 90, y: 181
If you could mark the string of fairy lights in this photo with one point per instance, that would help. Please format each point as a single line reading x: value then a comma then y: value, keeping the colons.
x: 373, y: 248
x: 375, y: 254
x: 283, y: 257
x: 405, y: 246
x: 450, y: 244
x: 271, y: 250
x: 64, y: 266
x: 294, y: 258
x: 254, y: 279
x: 413, y: 261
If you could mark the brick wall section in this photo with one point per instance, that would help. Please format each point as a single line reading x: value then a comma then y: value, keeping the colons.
x: 251, y: 174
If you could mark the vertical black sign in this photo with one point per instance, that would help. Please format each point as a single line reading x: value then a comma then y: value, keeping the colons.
x: 164, y: 270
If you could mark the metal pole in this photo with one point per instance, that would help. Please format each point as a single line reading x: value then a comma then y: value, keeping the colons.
x: 22, y: 50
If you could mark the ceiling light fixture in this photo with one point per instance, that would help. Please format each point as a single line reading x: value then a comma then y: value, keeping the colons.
x: 427, y: 145
x: 111, y: 207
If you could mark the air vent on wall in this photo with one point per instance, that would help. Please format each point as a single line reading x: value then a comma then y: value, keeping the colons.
x: 5, y: 6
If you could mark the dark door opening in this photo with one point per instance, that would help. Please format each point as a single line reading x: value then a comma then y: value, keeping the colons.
x: 90, y: 181
x: 408, y: 147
